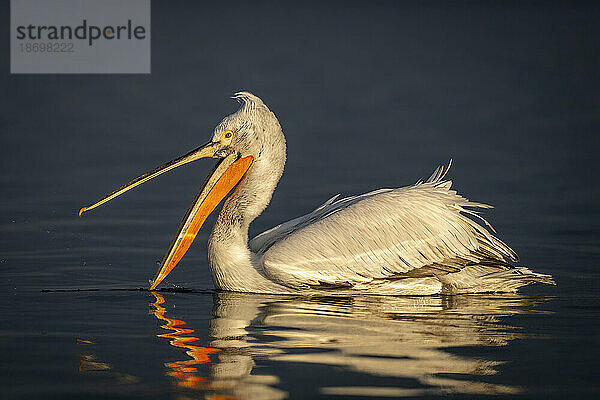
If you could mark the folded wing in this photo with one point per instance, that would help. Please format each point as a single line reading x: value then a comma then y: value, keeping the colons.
x: 422, y: 230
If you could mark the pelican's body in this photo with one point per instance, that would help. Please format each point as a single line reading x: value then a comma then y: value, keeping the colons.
x: 415, y: 240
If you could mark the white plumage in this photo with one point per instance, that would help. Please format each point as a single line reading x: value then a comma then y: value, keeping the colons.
x: 421, y: 239
x: 378, y: 240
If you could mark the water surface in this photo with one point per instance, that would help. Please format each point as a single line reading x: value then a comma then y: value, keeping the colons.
x: 369, y: 96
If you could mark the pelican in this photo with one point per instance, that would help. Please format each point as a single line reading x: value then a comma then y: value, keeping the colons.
x: 416, y: 240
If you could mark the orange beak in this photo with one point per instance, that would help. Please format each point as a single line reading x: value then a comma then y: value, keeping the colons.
x: 224, y: 177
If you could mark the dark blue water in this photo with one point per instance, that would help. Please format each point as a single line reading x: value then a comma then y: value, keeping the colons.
x: 369, y: 96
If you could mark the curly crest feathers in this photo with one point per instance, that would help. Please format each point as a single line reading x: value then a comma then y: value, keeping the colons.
x: 249, y: 101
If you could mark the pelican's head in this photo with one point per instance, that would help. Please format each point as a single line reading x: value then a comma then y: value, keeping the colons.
x: 248, y: 132
x: 250, y: 136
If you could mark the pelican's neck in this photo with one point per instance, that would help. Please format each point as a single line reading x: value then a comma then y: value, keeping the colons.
x: 233, y: 265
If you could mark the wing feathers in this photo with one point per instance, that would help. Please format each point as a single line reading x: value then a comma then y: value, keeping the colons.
x: 415, y: 231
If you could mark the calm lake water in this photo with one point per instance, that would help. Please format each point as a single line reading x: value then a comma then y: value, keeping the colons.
x: 369, y: 96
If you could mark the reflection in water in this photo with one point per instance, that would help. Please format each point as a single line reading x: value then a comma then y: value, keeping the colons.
x: 185, y: 372
x: 395, y: 337
x: 90, y: 365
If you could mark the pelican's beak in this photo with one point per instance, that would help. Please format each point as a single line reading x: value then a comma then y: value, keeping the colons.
x: 224, y: 177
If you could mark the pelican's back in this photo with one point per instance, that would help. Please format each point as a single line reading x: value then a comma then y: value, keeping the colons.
x: 391, y: 238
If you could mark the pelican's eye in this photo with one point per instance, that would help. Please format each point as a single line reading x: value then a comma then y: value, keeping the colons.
x: 226, y: 138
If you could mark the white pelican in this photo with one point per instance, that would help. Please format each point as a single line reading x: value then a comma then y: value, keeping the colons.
x: 414, y: 240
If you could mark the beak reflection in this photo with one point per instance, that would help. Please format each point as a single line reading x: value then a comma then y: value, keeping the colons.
x: 185, y: 372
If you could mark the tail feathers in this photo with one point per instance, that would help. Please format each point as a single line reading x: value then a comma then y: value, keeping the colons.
x: 524, y: 274
x: 484, y: 278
